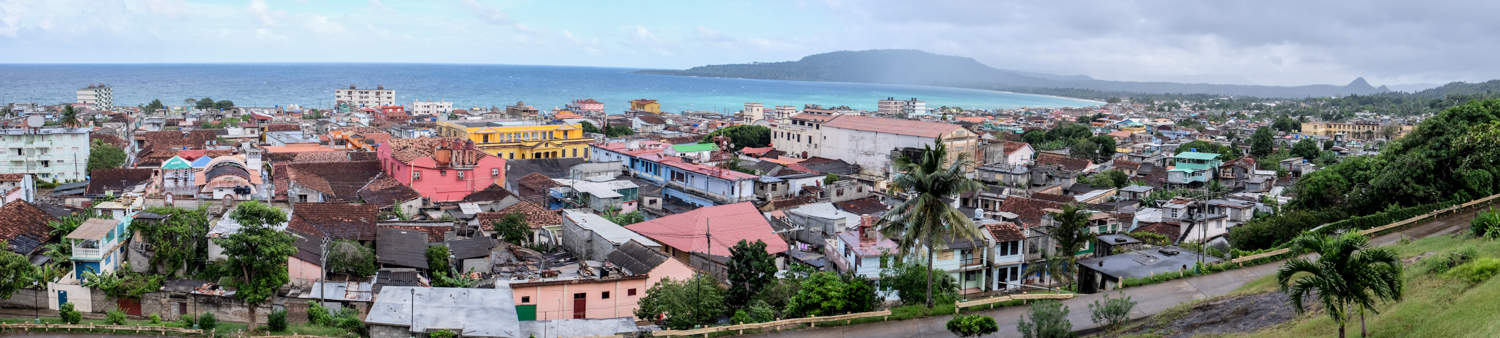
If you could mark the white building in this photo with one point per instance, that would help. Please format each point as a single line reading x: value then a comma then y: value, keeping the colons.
x: 892, y: 106
x: 753, y: 112
x: 372, y: 98
x: 49, y: 154
x: 785, y: 112
x: 868, y: 141
x: 800, y: 136
x: 98, y: 95
x: 436, y: 108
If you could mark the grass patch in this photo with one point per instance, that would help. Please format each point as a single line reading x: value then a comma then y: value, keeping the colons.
x: 1265, y: 283
x: 1435, y: 304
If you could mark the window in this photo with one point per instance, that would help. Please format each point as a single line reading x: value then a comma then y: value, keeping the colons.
x: 630, y: 292
x: 580, y: 295
x: 302, y: 198
x: 604, y: 295
x: 575, y: 152
x: 495, y: 172
x: 460, y: 174
x: 443, y: 172
x: 525, y: 299
x: 416, y: 175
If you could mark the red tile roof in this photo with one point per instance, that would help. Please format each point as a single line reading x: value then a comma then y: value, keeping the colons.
x: 727, y: 225
x: 1028, y: 210
x: 1067, y: 163
x: 892, y: 126
x: 351, y: 221
x: 1006, y: 231
x: 1013, y: 146
x: 537, y: 216
x: 24, y: 227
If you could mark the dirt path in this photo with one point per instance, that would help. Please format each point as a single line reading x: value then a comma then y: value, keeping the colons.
x: 1150, y: 299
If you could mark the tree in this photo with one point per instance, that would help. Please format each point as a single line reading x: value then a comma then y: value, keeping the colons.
x: 910, y: 281
x: 830, y: 178
x: 927, y: 219
x: 1084, y: 148
x: 512, y: 228
x: 1262, y: 143
x: 1049, y: 319
x: 1306, y: 148
x: 69, y: 117
x: 972, y: 325
x: 19, y: 271
x: 153, y: 106
x: 746, y: 135
x: 683, y: 304
x: 1070, y: 234
x: 437, y: 260
x: 178, y: 241
x: 350, y: 258
x: 257, y: 254
x: 1347, y: 272
x: 104, y: 155
x: 820, y: 294
x: 750, y: 268
x: 1285, y: 123
x: 224, y: 104
x: 589, y: 127
x: 1108, y: 178
x: 1111, y: 312
x: 1226, y: 153
x: 205, y: 103
x: 1105, y: 148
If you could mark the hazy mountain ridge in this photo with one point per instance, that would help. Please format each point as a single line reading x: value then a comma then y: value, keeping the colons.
x: 922, y: 68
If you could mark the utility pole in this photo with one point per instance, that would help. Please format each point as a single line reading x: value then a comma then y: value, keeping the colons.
x: 323, y: 277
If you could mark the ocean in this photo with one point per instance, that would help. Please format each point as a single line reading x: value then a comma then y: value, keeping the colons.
x: 546, y: 87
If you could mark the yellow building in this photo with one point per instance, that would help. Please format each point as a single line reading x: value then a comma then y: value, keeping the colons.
x: 1356, y: 130
x: 645, y: 105
x: 520, y: 140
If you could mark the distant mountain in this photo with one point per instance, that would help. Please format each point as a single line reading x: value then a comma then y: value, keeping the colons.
x: 922, y: 68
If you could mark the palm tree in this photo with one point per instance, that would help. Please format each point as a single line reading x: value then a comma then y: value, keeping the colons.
x: 69, y: 117
x: 927, y: 218
x: 1346, y: 271
x: 1069, y: 234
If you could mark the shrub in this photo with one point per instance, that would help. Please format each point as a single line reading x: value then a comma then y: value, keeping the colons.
x: 207, y: 321
x: 1048, y: 319
x: 1477, y: 271
x: 1111, y: 312
x: 1442, y: 263
x: 155, y: 319
x: 348, y: 319
x: 187, y: 321
x: 1486, y: 224
x: 757, y: 312
x: 115, y: 317
x: 442, y: 334
x: 972, y: 325
x: 318, y: 315
x: 276, y: 320
x: 69, y: 315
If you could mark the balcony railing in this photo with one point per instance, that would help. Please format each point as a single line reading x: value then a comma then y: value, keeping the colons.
x: 88, y: 253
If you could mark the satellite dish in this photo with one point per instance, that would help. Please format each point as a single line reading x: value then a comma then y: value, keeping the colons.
x: 35, y: 121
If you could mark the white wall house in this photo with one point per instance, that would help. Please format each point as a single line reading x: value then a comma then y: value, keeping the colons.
x: 868, y: 141
x: 371, y: 98
x: 59, y: 154
x: 437, y: 108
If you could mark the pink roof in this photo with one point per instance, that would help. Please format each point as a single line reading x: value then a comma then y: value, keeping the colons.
x: 728, y: 224
x: 761, y: 150
x: 706, y: 170
x: 893, y: 126
x: 642, y: 147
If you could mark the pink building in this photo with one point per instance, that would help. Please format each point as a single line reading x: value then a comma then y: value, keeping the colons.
x: 441, y: 169
x: 589, y: 105
x: 634, y: 269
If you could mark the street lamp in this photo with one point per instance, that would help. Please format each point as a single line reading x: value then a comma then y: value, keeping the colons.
x: 36, y: 301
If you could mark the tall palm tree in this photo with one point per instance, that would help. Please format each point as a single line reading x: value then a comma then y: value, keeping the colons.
x: 1071, y: 234
x: 1347, y: 272
x: 927, y: 218
x: 69, y: 117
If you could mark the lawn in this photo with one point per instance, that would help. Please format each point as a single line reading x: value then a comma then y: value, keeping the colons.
x: 1434, y: 304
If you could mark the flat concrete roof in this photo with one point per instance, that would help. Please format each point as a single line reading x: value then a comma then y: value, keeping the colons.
x: 471, y: 312
x: 1144, y: 263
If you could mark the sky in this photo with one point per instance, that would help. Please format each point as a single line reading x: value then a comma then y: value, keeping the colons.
x: 1269, y: 42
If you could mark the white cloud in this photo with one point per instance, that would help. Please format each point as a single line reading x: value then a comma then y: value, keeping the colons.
x: 262, y: 12
x: 322, y: 24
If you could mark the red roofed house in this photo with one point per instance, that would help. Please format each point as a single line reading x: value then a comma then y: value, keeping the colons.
x: 702, y: 237
x: 441, y: 169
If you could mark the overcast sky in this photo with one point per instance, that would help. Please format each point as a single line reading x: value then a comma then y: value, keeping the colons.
x: 1253, y: 42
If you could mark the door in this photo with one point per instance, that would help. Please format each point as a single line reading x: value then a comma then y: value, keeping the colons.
x: 580, y: 304
x: 131, y: 306
x: 62, y: 298
x: 526, y: 312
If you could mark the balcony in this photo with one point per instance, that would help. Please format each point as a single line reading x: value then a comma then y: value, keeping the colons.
x: 88, y: 253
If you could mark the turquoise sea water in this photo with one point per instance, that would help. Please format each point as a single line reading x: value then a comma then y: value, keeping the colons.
x: 546, y: 87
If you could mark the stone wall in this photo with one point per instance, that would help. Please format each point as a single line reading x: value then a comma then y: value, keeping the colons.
x: 25, y: 299
x: 387, y: 331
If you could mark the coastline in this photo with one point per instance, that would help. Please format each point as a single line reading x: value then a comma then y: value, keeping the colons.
x: 676, y: 73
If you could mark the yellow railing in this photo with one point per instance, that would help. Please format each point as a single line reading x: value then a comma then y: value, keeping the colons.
x: 1388, y: 227
x: 814, y: 320
x: 159, y: 330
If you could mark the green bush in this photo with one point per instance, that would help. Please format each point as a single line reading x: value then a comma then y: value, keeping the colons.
x: 442, y: 334
x: 972, y: 325
x: 1111, y: 312
x: 348, y: 319
x: 186, y: 320
x: 757, y: 312
x: 115, y: 317
x: 207, y: 321
x: 1442, y: 263
x: 276, y: 320
x: 69, y: 315
x: 1477, y: 271
x: 155, y: 319
x: 1486, y: 224
x: 318, y: 315
x: 1048, y: 319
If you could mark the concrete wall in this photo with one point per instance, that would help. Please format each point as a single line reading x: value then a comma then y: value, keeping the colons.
x: 557, y: 301
x: 583, y: 243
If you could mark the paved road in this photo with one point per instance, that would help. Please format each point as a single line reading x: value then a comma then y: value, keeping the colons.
x: 1150, y: 299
